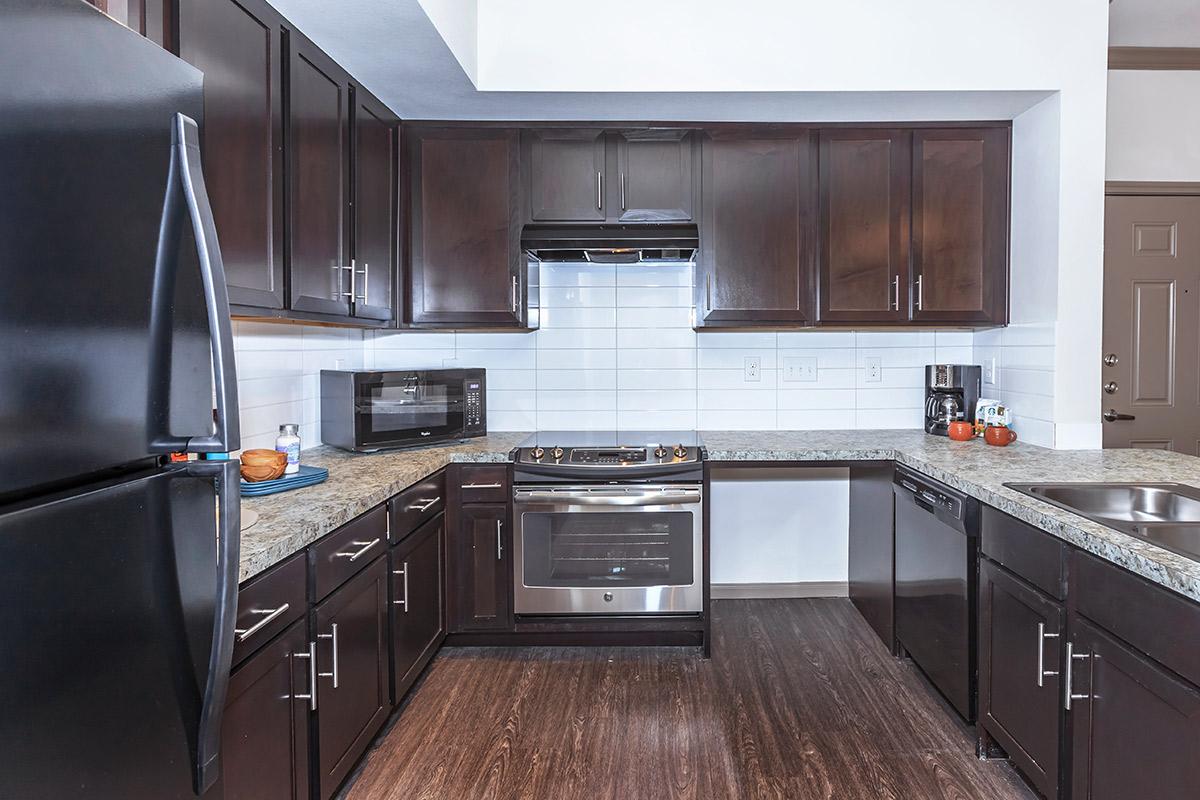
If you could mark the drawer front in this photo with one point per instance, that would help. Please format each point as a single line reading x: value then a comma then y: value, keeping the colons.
x: 1021, y: 548
x: 416, y: 505
x: 1156, y: 621
x: 484, y: 484
x: 341, y: 554
x: 267, y: 604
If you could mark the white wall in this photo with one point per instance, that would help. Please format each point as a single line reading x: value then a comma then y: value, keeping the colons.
x: 1153, y: 125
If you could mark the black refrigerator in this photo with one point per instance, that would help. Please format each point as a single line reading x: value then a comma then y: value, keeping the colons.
x: 118, y: 568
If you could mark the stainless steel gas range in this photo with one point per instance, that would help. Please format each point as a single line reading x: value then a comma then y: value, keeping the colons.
x: 609, y: 523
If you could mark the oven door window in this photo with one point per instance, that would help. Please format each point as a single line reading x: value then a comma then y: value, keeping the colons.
x: 603, y: 549
x: 406, y: 408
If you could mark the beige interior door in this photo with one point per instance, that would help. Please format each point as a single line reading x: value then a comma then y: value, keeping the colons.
x: 1151, y: 375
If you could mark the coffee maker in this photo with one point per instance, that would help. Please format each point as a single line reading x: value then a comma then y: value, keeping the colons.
x: 951, y: 392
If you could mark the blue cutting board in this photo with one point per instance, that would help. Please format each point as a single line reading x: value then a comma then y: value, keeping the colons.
x: 307, y: 476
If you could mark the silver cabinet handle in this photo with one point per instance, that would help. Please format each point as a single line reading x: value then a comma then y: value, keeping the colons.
x: 311, y: 655
x: 896, y: 293
x: 708, y: 293
x: 514, y: 294
x: 363, y: 548
x: 422, y: 504
x: 622, y: 191
x: 341, y: 292
x: 331, y: 635
x: 499, y: 540
x: 1042, y: 672
x: 366, y: 283
x: 272, y: 614
x: 403, y: 571
x: 599, y: 190
x: 920, y: 292
x: 1068, y: 694
x: 483, y: 486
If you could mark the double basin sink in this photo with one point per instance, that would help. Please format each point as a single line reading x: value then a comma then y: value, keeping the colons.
x: 1164, y: 514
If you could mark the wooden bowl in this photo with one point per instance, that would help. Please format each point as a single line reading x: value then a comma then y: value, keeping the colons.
x: 262, y: 465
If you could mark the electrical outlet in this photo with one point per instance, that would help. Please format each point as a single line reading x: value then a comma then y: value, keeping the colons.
x: 874, y: 366
x: 989, y: 371
x: 753, y: 368
x: 800, y: 368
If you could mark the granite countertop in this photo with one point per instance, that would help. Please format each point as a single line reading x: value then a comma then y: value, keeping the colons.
x: 292, y: 520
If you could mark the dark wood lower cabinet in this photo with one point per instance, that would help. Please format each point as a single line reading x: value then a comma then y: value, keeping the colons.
x: 418, y: 602
x: 264, y: 733
x: 351, y: 627
x: 481, y: 572
x: 1134, y: 725
x: 1020, y: 634
x: 872, y: 574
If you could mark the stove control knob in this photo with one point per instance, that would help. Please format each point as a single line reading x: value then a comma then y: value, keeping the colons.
x: 680, y: 451
x: 537, y: 453
x: 660, y: 452
x: 557, y: 452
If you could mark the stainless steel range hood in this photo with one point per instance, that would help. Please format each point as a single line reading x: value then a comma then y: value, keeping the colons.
x: 611, y: 244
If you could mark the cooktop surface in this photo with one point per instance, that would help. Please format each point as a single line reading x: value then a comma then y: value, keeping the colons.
x: 612, y: 439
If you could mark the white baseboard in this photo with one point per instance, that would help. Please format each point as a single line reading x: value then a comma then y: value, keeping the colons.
x: 755, y: 591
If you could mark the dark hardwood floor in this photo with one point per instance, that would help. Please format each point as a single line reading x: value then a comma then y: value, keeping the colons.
x: 800, y: 700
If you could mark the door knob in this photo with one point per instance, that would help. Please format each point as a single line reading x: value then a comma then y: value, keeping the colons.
x: 1112, y: 415
x: 1110, y: 360
x: 1110, y: 387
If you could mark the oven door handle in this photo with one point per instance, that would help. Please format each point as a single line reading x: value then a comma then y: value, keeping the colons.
x: 650, y: 496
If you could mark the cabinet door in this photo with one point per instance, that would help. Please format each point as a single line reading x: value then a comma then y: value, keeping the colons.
x: 466, y: 264
x: 237, y: 45
x: 960, y: 225
x: 418, y: 603
x: 654, y: 181
x: 482, y: 570
x: 565, y: 173
x: 864, y: 218
x: 318, y: 103
x: 264, y: 733
x: 1020, y: 632
x: 757, y: 240
x: 373, y: 155
x: 352, y: 666
x: 1135, y: 732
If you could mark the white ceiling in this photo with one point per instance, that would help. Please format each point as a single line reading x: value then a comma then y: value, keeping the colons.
x: 1154, y: 23
x: 395, y: 51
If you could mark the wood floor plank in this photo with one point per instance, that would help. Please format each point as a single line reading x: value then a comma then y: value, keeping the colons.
x: 800, y: 701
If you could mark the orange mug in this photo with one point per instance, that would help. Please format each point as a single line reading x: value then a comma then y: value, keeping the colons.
x: 999, y: 435
x: 961, y: 431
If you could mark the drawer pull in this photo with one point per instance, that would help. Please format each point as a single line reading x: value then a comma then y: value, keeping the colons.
x: 403, y: 571
x: 1042, y: 672
x: 423, y: 505
x: 364, y: 547
x: 272, y: 614
x: 311, y: 655
x: 331, y: 635
x: 483, y: 486
x: 1068, y: 694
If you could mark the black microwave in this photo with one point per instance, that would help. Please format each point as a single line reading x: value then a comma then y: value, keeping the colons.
x: 366, y: 411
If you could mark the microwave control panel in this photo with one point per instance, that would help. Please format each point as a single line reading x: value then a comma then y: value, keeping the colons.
x: 473, y: 394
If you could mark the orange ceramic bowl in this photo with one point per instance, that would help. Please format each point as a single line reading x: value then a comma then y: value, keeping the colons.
x: 262, y: 464
x: 961, y: 431
x: 999, y: 435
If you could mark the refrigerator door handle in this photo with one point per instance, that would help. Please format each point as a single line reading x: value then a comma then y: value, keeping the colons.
x: 187, y: 173
x: 207, y: 766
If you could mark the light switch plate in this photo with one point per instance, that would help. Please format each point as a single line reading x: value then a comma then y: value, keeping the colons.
x: 800, y: 368
x: 753, y: 368
x: 874, y: 365
x: 989, y: 371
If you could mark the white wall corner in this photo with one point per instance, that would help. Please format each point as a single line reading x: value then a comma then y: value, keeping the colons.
x: 457, y: 21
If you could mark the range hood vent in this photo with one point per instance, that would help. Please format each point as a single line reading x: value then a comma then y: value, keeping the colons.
x: 611, y: 244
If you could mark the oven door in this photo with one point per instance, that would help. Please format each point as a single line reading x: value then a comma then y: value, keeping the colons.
x: 608, y: 549
x: 399, y: 408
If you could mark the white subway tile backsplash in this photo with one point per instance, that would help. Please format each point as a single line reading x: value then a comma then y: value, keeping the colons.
x: 655, y: 399
x: 649, y: 420
x: 731, y: 358
x: 576, y: 359
x: 741, y: 340
x: 574, y: 379
x: 575, y: 275
x: 647, y: 275
x: 583, y: 400
x: 656, y: 358
x: 816, y: 420
x: 736, y: 399
x: 576, y: 420
x: 735, y: 420
x: 577, y: 317
x: 659, y: 338
x: 736, y: 379
x: 816, y: 399
x: 576, y: 338
x: 651, y: 317
x: 649, y: 296
x: 815, y: 340
x: 636, y: 379
x: 577, y: 296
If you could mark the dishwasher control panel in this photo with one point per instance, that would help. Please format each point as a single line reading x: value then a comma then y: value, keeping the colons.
x: 930, y: 495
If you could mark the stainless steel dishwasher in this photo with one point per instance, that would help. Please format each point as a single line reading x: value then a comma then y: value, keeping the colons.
x: 937, y: 576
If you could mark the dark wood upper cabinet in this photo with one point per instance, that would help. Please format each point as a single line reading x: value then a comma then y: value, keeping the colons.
x: 1020, y: 661
x: 374, y: 155
x: 418, y: 602
x: 318, y: 104
x: 264, y: 733
x: 960, y: 225
x: 864, y: 219
x: 237, y: 44
x: 564, y: 171
x: 353, y: 701
x: 465, y: 262
x: 758, y: 228
x: 1134, y: 724
x: 481, y: 571
x: 655, y: 176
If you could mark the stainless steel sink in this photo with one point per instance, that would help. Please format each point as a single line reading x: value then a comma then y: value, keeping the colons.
x: 1165, y: 514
